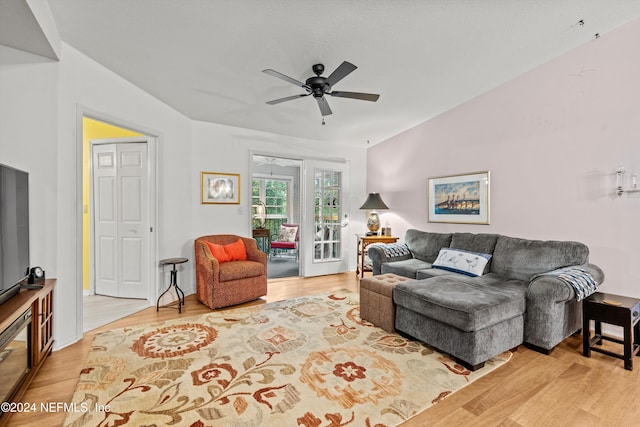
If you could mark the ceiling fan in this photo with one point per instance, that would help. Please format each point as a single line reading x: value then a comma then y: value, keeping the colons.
x: 319, y: 86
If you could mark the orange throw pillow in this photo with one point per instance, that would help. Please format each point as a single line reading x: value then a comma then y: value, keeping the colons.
x: 236, y: 250
x: 218, y: 252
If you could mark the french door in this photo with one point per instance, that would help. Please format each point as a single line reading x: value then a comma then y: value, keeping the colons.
x: 325, y: 235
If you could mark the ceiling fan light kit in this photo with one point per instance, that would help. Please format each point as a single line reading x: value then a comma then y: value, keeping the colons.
x: 319, y: 86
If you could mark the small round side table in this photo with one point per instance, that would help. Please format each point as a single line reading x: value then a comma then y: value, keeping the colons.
x: 174, y: 283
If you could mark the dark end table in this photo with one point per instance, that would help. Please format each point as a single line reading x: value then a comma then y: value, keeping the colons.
x: 173, y: 284
x: 614, y: 310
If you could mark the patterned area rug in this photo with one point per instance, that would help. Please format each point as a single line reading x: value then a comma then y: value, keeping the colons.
x: 308, y: 362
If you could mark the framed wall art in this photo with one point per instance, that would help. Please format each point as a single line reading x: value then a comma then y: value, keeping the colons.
x: 220, y: 188
x: 462, y: 199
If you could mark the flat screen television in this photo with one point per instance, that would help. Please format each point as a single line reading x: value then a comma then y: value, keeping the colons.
x: 14, y: 230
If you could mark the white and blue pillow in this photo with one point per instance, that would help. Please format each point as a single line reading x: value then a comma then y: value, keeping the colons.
x: 461, y: 261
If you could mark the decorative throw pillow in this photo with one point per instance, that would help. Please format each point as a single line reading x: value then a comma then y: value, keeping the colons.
x: 395, y: 249
x: 236, y: 251
x: 218, y: 252
x: 287, y: 233
x: 459, y: 261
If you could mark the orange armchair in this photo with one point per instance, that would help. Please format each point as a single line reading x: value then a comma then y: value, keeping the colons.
x: 221, y: 284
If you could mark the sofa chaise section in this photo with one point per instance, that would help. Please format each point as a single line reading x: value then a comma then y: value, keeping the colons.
x: 474, y: 318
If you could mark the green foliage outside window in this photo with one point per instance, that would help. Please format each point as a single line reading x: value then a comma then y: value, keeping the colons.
x: 274, y: 193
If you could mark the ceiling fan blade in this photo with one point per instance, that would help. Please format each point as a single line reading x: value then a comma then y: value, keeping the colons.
x: 288, y: 98
x: 373, y: 97
x: 281, y: 76
x: 340, y: 73
x: 324, y: 106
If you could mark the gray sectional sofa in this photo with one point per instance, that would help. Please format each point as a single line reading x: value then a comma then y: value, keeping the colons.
x: 520, y: 296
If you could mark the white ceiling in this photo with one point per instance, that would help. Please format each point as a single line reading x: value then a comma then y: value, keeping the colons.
x: 21, y: 32
x: 204, y: 57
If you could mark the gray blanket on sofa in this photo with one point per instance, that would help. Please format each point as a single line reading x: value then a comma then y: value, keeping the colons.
x: 580, y: 280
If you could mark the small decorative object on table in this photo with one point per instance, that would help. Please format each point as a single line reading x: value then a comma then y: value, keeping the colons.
x: 615, y: 310
x: 36, y: 276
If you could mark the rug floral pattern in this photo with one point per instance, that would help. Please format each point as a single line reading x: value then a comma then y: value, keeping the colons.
x: 310, y: 362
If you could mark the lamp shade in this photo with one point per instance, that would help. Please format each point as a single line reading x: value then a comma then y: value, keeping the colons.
x: 374, y: 202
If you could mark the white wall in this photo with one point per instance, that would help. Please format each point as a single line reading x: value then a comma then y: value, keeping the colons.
x: 28, y: 141
x: 86, y: 86
x: 219, y: 148
x: 40, y: 110
x: 552, y: 140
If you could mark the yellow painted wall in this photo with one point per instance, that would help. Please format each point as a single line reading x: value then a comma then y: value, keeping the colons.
x: 92, y: 129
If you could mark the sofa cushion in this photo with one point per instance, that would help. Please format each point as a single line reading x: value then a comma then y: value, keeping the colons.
x: 234, y: 270
x: 466, y: 306
x: 425, y: 246
x: 406, y: 268
x: 489, y: 278
x: 523, y: 259
x: 483, y: 243
x: 428, y: 273
x: 283, y: 245
x: 461, y: 261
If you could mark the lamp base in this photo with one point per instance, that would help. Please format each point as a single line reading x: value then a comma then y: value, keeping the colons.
x: 373, y: 223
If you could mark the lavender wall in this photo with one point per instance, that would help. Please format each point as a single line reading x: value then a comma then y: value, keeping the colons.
x: 552, y: 139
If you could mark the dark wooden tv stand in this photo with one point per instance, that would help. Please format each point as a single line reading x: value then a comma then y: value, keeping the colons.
x: 41, y: 303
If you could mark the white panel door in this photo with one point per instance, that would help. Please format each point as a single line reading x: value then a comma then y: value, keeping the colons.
x: 105, y: 218
x: 324, y: 237
x: 121, y: 224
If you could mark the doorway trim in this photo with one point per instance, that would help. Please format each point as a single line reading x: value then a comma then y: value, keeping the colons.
x: 305, y: 160
x: 300, y: 159
x: 153, y: 138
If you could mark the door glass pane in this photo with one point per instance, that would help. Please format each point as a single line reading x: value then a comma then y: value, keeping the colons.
x: 328, y: 211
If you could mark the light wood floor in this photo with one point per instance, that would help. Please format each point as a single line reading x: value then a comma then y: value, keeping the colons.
x: 562, y: 389
x: 100, y: 310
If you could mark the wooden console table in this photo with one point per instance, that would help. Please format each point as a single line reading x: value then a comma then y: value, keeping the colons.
x: 363, y: 242
x: 40, y: 301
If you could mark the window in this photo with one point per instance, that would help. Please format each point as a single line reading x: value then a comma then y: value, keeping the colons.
x: 328, y: 212
x: 274, y: 193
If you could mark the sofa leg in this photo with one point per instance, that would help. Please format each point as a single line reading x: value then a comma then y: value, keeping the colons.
x: 469, y: 366
x: 539, y: 349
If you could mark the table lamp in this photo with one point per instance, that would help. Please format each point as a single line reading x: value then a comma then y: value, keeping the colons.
x: 374, y: 202
x: 261, y: 213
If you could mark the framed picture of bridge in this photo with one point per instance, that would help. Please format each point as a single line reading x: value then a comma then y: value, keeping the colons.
x: 462, y: 199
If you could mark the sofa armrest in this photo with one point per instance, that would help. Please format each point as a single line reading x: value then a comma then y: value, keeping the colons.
x: 205, y: 258
x: 381, y: 253
x: 553, y: 311
x: 549, y: 287
x: 207, y: 266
